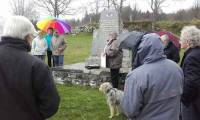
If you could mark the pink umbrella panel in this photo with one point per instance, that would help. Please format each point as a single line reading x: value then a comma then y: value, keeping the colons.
x: 174, y: 38
x: 60, y: 26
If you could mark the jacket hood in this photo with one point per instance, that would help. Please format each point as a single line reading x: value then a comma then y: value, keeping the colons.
x: 150, y: 50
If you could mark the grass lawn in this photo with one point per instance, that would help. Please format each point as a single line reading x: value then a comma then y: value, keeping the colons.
x: 78, y: 48
x: 82, y: 103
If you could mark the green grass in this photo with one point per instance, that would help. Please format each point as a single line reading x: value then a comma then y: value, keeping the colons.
x: 78, y: 48
x: 82, y: 103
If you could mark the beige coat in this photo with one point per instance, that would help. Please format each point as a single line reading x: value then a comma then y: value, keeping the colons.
x: 114, y: 56
x: 58, y: 46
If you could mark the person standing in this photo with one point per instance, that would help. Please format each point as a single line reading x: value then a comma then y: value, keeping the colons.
x: 170, y: 50
x: 27, y: 88
x: 190, y: 40
x: 48, y: 38
x: 39, y: 46
x: 114, y: 57
x: 58, y: 47
x: 153, y: 89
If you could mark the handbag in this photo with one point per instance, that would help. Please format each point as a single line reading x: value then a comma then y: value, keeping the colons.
x: 103, y: 60
x: 103, y: 57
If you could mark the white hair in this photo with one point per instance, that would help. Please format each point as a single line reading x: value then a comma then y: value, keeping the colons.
x: 164, y: 37
x: 190, y: 35
x: 18, y: 27
x: 113, y: 34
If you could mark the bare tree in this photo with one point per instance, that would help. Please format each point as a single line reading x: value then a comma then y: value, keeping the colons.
x: 156, y: 7
x: 24, y: 8
x: 94, y: 5
x: 118, y: 4
x: 180, y: 15
x: 56, y: 7
x: 196, y: 9
x: 97, y: 6
x: 134, y: 12
x: 126, y: 15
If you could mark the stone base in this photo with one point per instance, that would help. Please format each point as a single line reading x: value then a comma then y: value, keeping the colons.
x: 93, y: 62
x: 77, y: 74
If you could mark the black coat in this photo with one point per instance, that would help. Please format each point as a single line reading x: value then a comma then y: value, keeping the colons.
x: 172, y: 52
x: 27, y: 89
x: 191, y: 90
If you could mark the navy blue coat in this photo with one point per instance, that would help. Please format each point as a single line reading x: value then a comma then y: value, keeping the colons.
x: 191, y: 91
x: 27, y: 89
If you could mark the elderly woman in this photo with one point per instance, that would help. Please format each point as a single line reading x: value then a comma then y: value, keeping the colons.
x: 190, y: 40
x: 39, y: 46
x: 114, y: 57
x: 27, y: 89
x: 58, y: 47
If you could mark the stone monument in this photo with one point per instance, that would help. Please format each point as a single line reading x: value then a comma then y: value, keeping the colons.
x: 109, y: 22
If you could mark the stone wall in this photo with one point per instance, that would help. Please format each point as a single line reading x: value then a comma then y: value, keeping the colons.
x: 72, y: 74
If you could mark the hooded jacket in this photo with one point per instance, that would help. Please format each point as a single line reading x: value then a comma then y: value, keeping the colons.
x: 152, y: 90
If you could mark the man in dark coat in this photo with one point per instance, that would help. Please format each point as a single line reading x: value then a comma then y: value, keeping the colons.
x: 170, y: 50
x: 190, y: 38
x: 27, y: 89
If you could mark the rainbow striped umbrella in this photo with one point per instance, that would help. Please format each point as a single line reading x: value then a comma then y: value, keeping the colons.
x: 60, y: 26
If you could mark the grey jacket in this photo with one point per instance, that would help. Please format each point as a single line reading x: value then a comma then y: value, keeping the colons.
x: 58, y: 45
x: 114, y: 55
x: 152, y: 91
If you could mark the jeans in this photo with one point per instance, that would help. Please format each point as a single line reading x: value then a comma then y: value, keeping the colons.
x: 114, y: 77
x: 58, y: 60
x: 49, y: 54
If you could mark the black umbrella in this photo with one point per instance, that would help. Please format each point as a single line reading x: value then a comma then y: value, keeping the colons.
x: 131, y: 41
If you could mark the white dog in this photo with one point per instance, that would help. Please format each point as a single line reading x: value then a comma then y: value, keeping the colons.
x: 113, y: 96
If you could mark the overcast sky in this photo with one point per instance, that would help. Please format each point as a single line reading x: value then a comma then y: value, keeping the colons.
x: 170, y: 6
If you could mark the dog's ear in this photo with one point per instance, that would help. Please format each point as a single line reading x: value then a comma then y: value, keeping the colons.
x: 108, y: 86
x: 102, y: 87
